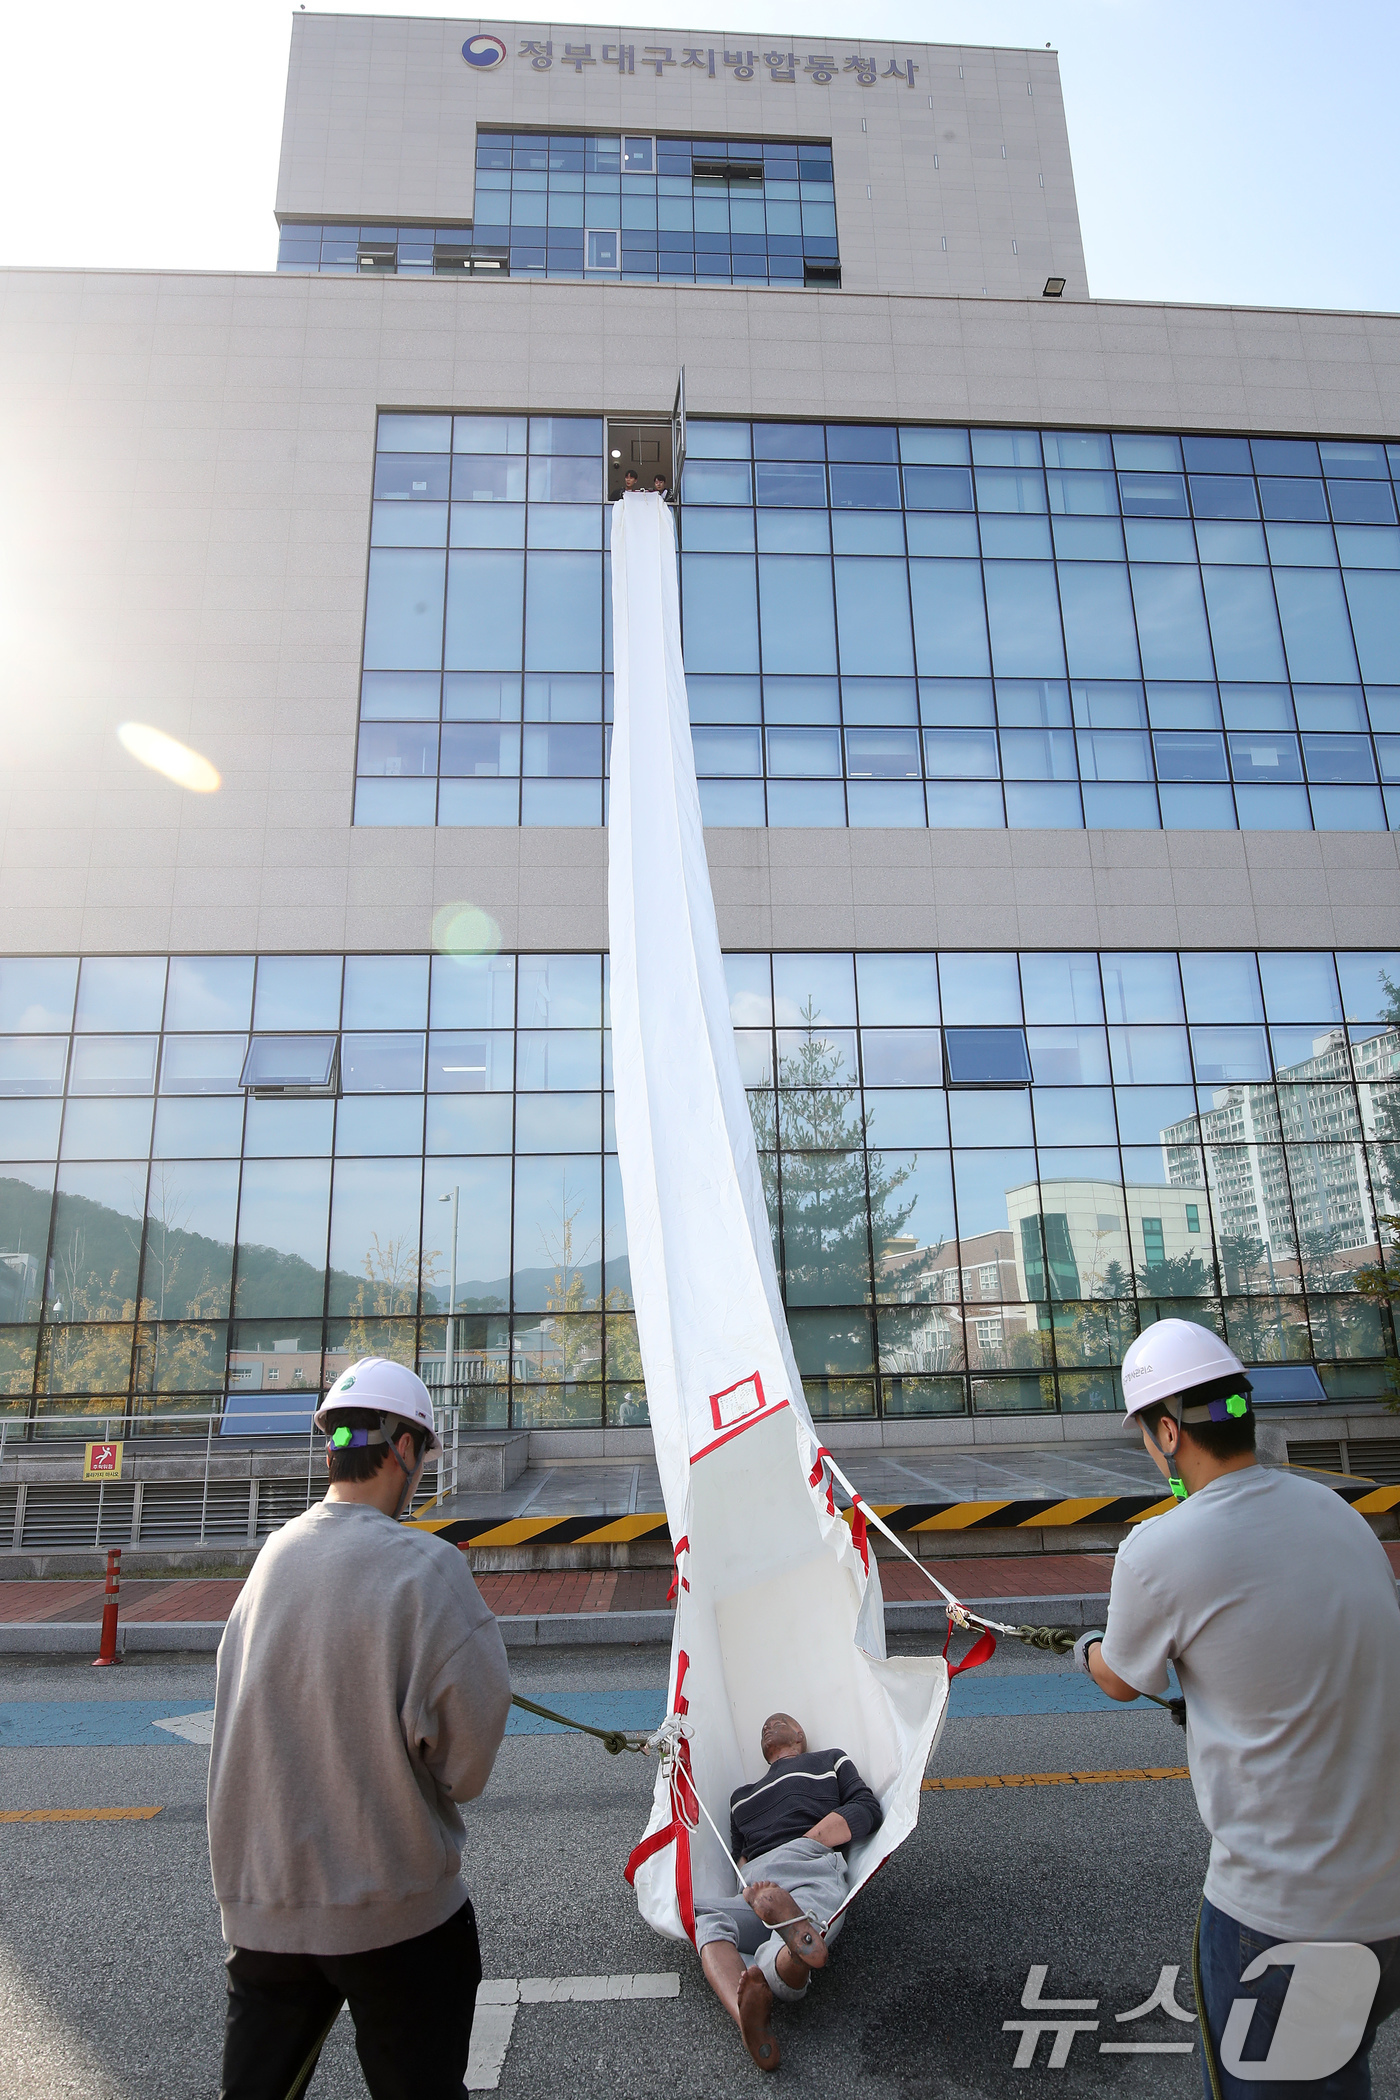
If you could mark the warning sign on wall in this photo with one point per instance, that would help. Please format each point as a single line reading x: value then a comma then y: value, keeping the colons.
x: 102, y: 1461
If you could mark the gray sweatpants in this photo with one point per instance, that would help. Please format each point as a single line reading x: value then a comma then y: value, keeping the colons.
x: 813, y: 1875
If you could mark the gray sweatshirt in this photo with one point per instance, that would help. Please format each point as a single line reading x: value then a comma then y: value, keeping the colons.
x: 362, y: 1693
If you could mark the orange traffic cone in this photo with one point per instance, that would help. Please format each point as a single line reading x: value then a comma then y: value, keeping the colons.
x: 107, y: 1653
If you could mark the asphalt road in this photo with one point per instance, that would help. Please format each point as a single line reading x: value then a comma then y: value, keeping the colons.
x: 110, y: 1979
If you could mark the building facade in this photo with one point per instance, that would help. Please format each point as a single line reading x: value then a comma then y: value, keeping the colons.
x: 1044, y: 664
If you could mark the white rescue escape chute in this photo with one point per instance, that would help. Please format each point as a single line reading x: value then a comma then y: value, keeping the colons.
x: 778, y: 1598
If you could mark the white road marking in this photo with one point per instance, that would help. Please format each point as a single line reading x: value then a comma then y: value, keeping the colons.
x: 192, y: 1728
x: 491, y: 2032
x: 499, y: 1998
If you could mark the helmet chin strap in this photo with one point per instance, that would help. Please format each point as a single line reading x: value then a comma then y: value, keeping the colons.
x: 410, y: 1473
x: 1175, y: 1482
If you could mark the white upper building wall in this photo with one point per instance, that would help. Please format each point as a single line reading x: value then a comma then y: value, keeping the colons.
x: 957, y: 185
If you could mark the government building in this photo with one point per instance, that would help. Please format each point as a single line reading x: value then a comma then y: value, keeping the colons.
x: 1043, y: 656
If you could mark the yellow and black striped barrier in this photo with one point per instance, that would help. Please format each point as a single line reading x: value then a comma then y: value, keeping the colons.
x: 918, y: 1518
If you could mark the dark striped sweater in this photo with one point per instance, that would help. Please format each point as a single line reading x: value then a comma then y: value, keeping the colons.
x: 793, y: 1795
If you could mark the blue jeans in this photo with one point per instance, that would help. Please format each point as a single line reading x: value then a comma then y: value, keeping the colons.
x: 1226, y: 1950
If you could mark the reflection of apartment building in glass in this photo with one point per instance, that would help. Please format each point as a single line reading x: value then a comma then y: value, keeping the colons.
x: 1066, y: 1243
x: 1316, y: 1217
x: 967, y: 1295
x: 1076, y: 1241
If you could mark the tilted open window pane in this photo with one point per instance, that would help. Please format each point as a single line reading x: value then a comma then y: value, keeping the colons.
x: 987, y: 1057
x: 292, y: 1064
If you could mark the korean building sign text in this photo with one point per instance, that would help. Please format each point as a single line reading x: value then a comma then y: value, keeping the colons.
x: 781, y: 66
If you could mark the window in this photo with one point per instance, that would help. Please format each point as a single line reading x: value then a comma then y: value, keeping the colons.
x: 291, y: 1065
x: 277, y: 1232
x: 987, y: 1057
x: 862, y: 646
x: 604, y: 250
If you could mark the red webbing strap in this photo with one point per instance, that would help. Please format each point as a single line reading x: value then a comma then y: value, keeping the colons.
x: 677, y: 1830
x: 647, y: 1849
x: 982, y: 1650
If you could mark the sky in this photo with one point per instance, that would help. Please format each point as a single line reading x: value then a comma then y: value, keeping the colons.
x: 1230, y: 152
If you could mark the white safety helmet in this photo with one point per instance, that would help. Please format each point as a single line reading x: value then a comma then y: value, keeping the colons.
x: 385, y: 1388
x: 1172, y: 1357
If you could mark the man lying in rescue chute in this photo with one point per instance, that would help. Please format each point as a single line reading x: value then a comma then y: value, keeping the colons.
x: 792, y: 1827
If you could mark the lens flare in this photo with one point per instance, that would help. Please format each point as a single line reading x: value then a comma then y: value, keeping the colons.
x: 465, y: 929
x: 153, y: 748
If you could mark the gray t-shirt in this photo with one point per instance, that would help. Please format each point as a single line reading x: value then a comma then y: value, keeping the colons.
x: 1278, y: 1608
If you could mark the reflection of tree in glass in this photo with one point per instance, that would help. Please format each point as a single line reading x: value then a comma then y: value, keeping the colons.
x: 88, y: 1348
x: 575, y: 1342
x: 1268, y: 1330
x: 172, y: 1251
x: 1326, y: 1260
x: 829, y: 1220
x: 1385, y: 1117
x: 1097, y: 1331
x: 1099, y: 1327
x: 394, y: 1273
x: 1246, y: 1264
x: 1175, y: 1276
x: 1378, y: 1287
x: 623, y: 1348
x: 1116, y: 1282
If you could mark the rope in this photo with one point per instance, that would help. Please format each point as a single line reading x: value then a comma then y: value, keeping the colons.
x: 613, y: 1740
x: 1208, y: 2050
x: 666, y: 1744
x: 1051, y: 1640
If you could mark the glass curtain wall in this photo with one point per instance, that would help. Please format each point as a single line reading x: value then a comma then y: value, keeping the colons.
x: 899, y: 626
x: 611, y: 209
x: 985, y: 1173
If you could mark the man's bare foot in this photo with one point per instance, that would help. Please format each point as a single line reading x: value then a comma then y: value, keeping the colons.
x: 756, y: 2020
x: 778, y: 1908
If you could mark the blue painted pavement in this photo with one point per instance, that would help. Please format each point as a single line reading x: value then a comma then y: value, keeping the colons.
x: 35, y: 1724
x: 101, y: 1723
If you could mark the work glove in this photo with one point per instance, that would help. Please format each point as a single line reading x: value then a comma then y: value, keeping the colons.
x: 1082, y: 1647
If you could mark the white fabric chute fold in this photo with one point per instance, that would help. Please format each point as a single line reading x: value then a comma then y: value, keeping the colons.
x: 778, y: 1600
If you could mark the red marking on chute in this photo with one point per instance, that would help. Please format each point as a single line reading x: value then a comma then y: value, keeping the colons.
x: 738, y: 1430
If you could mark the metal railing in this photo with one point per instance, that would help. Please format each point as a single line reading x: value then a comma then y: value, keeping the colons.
x: 186, y: 1478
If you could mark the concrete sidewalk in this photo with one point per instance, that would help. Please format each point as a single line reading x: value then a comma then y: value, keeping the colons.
x: 549, y: 1607
x: 567, y: 1606
x: 550, y: 1591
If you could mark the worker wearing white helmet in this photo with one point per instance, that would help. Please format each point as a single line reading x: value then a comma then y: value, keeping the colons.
x: 1276, y: 1606
x: 368, y: 1386
x: 362, y: 1694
